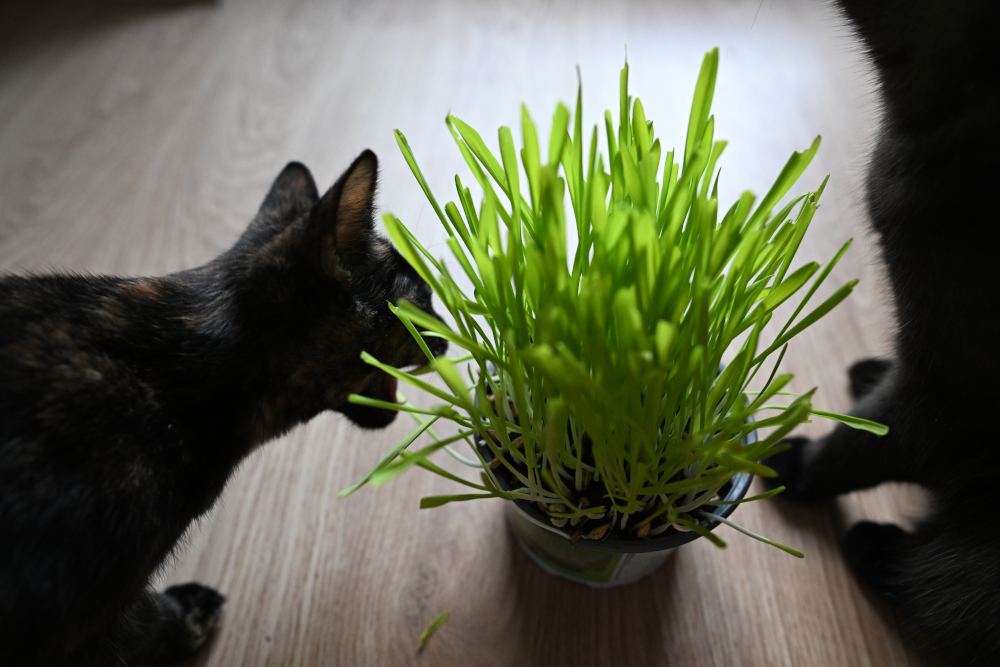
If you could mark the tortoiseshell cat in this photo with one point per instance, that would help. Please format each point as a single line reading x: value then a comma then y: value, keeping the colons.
x: 931, y: 181
x: 126, y: 404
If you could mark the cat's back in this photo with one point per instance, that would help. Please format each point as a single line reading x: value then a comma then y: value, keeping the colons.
x: 83, y: 446
x: 58, y: 336
x: 71, y: 408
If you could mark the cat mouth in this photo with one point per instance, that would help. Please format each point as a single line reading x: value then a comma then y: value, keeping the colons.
x: 383, y: 387
x: 380, y: 387
x: 388, y: 387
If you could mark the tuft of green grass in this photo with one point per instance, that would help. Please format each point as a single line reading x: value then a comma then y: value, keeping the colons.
x: 620, y: 338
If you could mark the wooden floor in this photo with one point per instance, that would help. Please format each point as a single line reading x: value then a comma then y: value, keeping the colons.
x: 138, y: 137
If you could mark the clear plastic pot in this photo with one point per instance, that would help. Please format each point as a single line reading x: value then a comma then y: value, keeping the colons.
x: 603, y: 563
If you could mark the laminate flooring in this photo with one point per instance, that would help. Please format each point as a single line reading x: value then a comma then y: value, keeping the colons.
x: 139, y: 137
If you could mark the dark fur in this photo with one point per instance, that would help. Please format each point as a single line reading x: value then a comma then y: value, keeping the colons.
x: 930, y: 195
x: 126, y: 404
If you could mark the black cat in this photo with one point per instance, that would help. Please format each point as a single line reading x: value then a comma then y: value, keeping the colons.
x: 126, y: 404
x: 930, y: 183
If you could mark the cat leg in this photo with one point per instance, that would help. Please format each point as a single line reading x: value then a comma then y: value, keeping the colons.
x: 941, y: 579
x: 186, y: 618
x: 848, y: 459
x: 155, y: 629
x: 875, y: 552
x: 867, y: 374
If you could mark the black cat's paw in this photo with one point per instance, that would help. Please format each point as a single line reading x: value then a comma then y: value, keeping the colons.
x: 873, y: 551
x: 791, y: 471
x: 866, y: 374
x: 191, y: 612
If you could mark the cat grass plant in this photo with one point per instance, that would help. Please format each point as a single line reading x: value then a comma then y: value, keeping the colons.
x: 600, y: 364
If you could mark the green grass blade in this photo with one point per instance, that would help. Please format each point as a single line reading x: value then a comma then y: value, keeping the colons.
x: 790, y: 286
x: 429, y: 502
x: 809, y: 319
x: 479, y: 149
x: 854, y: 422
x: 789, y: 174
x: 700, y: 108
x: 701, y: 530
x: 404, y: 147
x: 391, y: 456
x: 759, y: 496
x: 434, y: 627
x: 736, y: 526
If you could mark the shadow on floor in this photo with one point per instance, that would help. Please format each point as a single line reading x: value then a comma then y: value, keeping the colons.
x: 552, y: 610
x: 26, y: 27
x: 829, y: 522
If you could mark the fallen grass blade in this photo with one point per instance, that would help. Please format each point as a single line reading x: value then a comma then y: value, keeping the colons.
x: 433, y: 627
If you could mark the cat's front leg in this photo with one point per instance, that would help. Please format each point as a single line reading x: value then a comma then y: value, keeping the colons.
x: 875, y: 552
x: 164, y: 628
x: 188, y: 616
x: 154, y: 629
x: 866, y: 375
x: 941, y: 579
x: 848, y: 459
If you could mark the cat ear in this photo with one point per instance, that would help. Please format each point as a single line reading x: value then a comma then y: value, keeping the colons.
x: 292, y: 195
x: 343, y: 217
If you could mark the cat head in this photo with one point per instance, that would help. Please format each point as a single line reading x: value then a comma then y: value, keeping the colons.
x: 315, y: 275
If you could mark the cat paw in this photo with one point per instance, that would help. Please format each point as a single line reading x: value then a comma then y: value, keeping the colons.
x: 791, y: 472
x: 873, y: 551
x: 191, y: 613
x: 866, y: 374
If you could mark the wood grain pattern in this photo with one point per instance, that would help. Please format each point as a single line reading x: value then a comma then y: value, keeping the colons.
x: 139, y: 137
